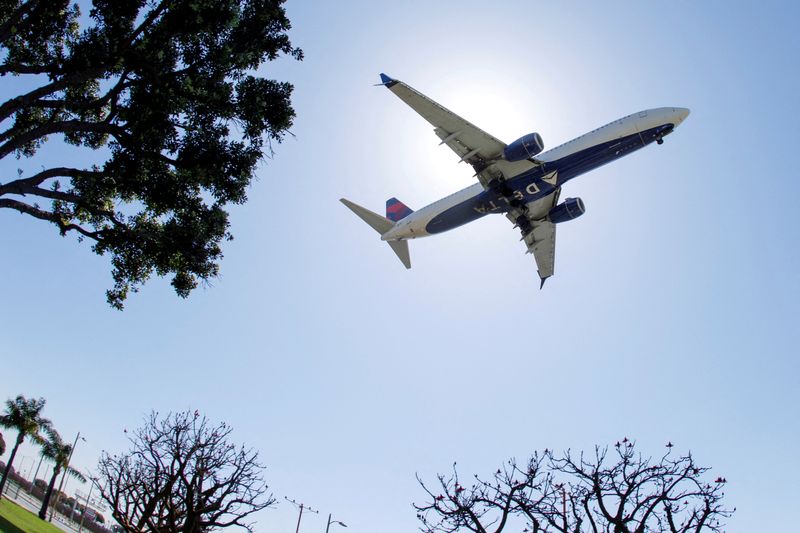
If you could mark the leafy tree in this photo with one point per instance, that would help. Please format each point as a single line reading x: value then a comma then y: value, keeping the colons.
x: 2, y: 444
x: 59, y: 452
x: 183, y: 474
x: 155, y: 88
x: 24, y: 416
x: 619, y: 492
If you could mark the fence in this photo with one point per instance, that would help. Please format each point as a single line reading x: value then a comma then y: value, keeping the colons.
x: 68, y: 514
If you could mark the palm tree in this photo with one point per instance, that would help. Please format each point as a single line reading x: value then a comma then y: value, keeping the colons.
x: 60, y: 452
x: 25, y: 416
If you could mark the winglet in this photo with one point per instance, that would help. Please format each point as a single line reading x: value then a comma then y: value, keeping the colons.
x: 387, y: 81
x: 541, y: 285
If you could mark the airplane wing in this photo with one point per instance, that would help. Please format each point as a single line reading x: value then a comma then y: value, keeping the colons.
x: 538, y: 232
x: 473, y: 145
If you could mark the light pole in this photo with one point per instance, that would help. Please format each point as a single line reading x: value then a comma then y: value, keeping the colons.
x: 301, y: 506
x: 22, y: 475
x: 64, y: 475
x: 22, y: 463
x: 86, y: 507
x: 333, y: 522
x: 41, y: 458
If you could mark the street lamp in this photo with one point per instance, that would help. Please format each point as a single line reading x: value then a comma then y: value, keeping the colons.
x: 301, y: 506
x: 64, y: 475
x: 41, y: 458
x: 22, y: 473
x: 333, y: 522
x: 88, y: 499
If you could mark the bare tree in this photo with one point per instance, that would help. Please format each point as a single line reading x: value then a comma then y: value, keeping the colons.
x: 182, y: 474
x: 614, y: 492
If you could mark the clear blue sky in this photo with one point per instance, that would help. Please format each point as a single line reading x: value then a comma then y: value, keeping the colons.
x: 672, y: 314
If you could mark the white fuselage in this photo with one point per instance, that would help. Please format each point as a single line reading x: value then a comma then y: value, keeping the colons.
x: 414, y: 225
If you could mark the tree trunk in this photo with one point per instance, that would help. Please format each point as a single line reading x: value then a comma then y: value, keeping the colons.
x: 46, y: 502
x: 7, y: 469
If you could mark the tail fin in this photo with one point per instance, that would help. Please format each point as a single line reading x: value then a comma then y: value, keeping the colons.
x: 396, y: 210
x: 381, y: 225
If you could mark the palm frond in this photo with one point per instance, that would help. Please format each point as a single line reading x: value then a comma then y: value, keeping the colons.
x: 76, y: 474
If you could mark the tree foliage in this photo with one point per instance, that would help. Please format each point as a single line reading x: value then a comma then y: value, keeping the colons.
x: 165, y: 93
x: 59, y: 452
x: 25, y: 417
x: 182, y: 473
x: 619, y: 491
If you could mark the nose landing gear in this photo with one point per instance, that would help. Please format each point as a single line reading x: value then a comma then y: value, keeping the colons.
x: 664, y: 131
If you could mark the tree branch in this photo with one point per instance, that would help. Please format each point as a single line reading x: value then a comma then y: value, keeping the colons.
x: 23, y: 186
x: 63, y: 226
x: 67, y: 126
x: 15, y: 18
x: 19, y: 68
x: 11, y: 106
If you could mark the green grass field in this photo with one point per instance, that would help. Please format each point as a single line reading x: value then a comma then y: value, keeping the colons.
x: 15, y: 519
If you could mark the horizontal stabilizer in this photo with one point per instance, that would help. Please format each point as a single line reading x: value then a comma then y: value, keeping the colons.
x: 377, y: 222
x: 381, y: 225
x: 401, y: 249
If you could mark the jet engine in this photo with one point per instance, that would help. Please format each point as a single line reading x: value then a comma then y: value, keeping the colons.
x: 570, y: 209
x: 524, y: 148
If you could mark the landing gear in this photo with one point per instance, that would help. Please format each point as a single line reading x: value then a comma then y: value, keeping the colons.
x: 524, y: 225
x: 500, y: 187
x: 660, y: 141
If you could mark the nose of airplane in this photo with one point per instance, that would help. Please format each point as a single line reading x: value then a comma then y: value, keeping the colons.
x: 679, y: 114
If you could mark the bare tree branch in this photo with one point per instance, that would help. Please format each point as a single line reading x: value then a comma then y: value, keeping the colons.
x: 570, y: 494
x: 182, y: 474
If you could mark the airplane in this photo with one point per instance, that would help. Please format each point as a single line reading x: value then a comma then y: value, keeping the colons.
x: 519, y: 180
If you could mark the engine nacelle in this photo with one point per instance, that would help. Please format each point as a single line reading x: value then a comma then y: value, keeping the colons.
x: 570, y: 209
x: 524, y: 148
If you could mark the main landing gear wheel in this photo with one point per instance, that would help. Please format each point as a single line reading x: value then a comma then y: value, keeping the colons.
x: 500, y: 187
x: 660, y: 141
x: 524, y: 225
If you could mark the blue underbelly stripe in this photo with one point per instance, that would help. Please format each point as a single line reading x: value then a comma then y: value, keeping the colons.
x: 531, y: 185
